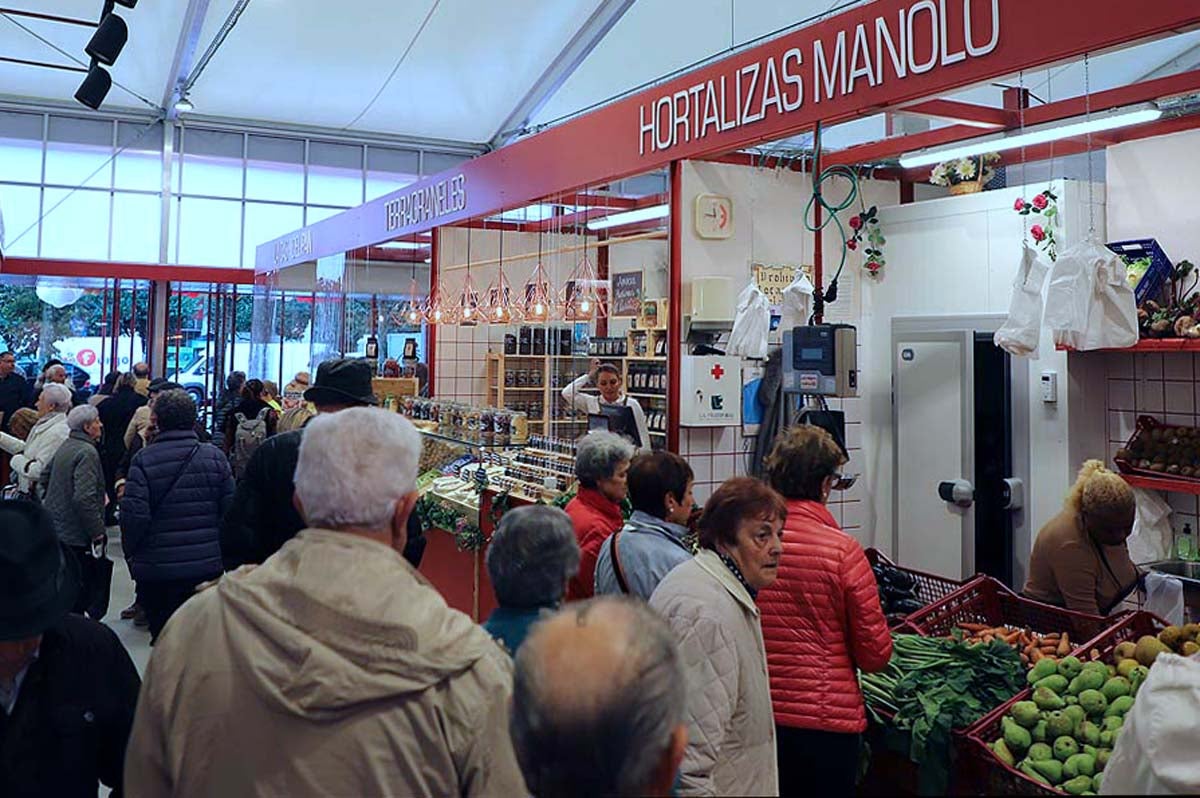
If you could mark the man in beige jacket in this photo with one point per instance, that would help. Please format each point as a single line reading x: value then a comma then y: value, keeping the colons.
x: 333, y: 668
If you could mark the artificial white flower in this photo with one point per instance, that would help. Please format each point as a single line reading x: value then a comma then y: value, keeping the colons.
x: 939, y: 176
x: 966, y: 169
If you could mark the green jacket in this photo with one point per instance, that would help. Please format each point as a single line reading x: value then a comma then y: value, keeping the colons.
x: 75, y: 491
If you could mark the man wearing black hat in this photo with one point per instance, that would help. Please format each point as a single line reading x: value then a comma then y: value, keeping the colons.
x: 68, y: 689
x: 263, y: 516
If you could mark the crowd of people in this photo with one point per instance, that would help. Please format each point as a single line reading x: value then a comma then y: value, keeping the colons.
x: 641, y: 645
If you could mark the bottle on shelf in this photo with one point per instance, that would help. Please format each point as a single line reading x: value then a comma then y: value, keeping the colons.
x: 1185, y: 544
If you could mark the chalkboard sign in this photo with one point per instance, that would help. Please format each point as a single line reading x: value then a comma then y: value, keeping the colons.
x: 627, y: 294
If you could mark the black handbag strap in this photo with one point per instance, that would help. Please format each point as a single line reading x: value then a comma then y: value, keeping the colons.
x: 154, y: 505
x: 618, y: 571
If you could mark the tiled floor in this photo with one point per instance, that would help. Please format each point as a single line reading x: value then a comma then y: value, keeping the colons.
x: 137, y: 641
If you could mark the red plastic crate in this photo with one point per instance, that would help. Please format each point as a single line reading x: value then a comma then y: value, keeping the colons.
x: 1145, y: 425
x: 930, y: 587
x: 986, y: 600
x: 995, y: 777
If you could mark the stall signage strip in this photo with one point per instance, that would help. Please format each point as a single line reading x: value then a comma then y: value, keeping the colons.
x: 874, y: 56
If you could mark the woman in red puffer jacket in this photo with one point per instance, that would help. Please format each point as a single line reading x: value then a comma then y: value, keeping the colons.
x: 821, y: 622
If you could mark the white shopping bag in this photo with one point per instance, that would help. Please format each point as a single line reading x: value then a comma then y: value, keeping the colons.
x: 1164, y: 597
x: 797, y: 302
x: 1023, y: 329
x: 1089, y: 304
x: 1151, y: 537
x: 751, y: 324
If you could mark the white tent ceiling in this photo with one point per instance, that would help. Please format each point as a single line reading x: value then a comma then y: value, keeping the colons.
x: 348, y: 66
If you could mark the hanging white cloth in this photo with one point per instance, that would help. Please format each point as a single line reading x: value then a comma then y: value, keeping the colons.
x: 751, y: 324
x: 797, y: 302
x: 1022, y: 330
x: 1089, y: 304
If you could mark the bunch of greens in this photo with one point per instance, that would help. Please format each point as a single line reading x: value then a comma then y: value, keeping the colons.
x: 933, y: 685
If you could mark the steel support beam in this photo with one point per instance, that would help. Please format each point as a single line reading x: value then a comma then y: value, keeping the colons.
x: 590, y: 33
x: 185, y: 53
x: 964, y: 113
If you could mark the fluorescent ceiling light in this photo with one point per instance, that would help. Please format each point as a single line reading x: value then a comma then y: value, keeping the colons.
x: 630, y: 217
x: 403, y: 245
x: 1070, y: 128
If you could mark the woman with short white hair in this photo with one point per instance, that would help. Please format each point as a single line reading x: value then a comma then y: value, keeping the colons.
x: 32, y: 455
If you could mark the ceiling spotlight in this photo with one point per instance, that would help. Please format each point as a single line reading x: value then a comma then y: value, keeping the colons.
x: 183, y: 105
x: 108, y: 40
x: 94, y: 88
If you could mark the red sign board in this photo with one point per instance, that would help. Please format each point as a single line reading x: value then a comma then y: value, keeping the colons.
x: 871, y: 57
x: 85, y: 357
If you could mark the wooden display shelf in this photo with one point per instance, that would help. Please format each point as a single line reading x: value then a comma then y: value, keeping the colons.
x: 1165, y: 483
x: 1149, y: 345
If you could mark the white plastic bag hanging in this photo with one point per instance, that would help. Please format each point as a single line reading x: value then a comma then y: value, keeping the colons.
x: 1164, y: 597
x: 1089, y: 304
x: 1023, y: 329
x: 1151, y: 537
x: 751, y: 324
x: 797, y: 302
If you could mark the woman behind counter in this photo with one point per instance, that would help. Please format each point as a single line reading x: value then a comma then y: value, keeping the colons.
x: 1080, y: 560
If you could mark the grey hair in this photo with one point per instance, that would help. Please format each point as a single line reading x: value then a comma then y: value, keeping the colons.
x: 56, y: 369
x: 531, y: 556
x: 606, y: 736
x: 58, y: 395
x: 174, y: 410
x: 597, y: 456
x: 81, y: 416
x: 354, y: 466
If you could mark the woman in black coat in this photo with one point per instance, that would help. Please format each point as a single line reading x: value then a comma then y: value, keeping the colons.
x: 115, y: 414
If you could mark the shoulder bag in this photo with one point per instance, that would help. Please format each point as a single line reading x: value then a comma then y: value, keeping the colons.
x: 618, y: 571
x: 154, y: 505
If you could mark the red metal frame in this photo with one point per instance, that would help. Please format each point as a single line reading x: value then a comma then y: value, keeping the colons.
x: 981, y: 115
x: 435, y: 259
x: 44, y: 267
x: 675, y: 306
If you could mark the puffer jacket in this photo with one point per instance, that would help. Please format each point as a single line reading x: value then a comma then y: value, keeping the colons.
x: 175, y: 535
x: 33, y: 455
x: 594, y: 517
x: 731, y: 740
x: 822, y: 623
x: 333, y: 668
x: 75, y: 491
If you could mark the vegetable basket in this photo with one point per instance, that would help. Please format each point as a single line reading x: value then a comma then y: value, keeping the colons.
x: 997, y: 778
x: 985, y: 600
x: 1176, y: 447
x: 930, y: 587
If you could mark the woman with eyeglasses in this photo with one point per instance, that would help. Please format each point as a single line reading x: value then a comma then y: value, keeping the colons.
x: 821, y: 620
x: 1080, y: 560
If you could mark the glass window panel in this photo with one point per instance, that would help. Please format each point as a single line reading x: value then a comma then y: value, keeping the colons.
x: 137, y: 227
x: 335, y: 173
x: 212, y: 163
x: 208, y: 232
x: 389, y: 169
x: 439, y: 162
x: 78, y: 151
x: 316, y: 213
x: 78, y: 227
x: 265, y: 221
x: 21, y: 147
x: 21, y: 205
x: 139, y: 166
x: 275, y: 169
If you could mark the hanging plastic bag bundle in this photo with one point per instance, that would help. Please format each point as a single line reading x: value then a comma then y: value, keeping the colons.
x: 751, y: 324
x: 1089, y: 304
x: 1023, y: 329
x: 797, y: 302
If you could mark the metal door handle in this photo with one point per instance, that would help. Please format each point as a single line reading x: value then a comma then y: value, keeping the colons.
x: 959, y: 492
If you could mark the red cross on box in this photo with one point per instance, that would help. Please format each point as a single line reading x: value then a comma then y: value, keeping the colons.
x: 718, y: 372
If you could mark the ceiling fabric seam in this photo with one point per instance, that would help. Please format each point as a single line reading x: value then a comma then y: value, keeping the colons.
x: 396, y: 68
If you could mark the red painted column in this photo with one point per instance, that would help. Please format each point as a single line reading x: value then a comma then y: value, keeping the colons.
x: 675, y: 306
x: 430, y: 330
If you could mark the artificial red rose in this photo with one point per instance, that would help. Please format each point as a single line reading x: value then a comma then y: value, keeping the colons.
x: 855, y: 222
x: 1040, y: 202
x: 852, y: 244
x: 1039, y: 235
x: 1019, y: 205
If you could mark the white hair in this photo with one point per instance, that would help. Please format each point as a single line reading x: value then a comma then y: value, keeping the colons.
x: 354, y: 466
x: 57, y: 370
x: 58, y: 395
x: 81, y: 416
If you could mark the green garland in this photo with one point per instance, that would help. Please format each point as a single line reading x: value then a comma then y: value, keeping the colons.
x: 433, y: 514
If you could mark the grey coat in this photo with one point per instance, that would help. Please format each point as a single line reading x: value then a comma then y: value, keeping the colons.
x: 649, y: 547
x: 75, y: 491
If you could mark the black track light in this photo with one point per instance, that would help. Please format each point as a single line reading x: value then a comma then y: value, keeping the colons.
x: 94, y: 88
x: 108, y: 40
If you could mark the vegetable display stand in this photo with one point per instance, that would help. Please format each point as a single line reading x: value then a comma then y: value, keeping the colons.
x: 1158, y: 451
x: 928, y: 587
x: 985, y: 600
x: 995, y: 777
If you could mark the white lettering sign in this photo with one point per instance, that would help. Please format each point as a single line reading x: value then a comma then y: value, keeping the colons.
x: 294, y: 247
x: 867, y: 54
x: 427, y: 203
